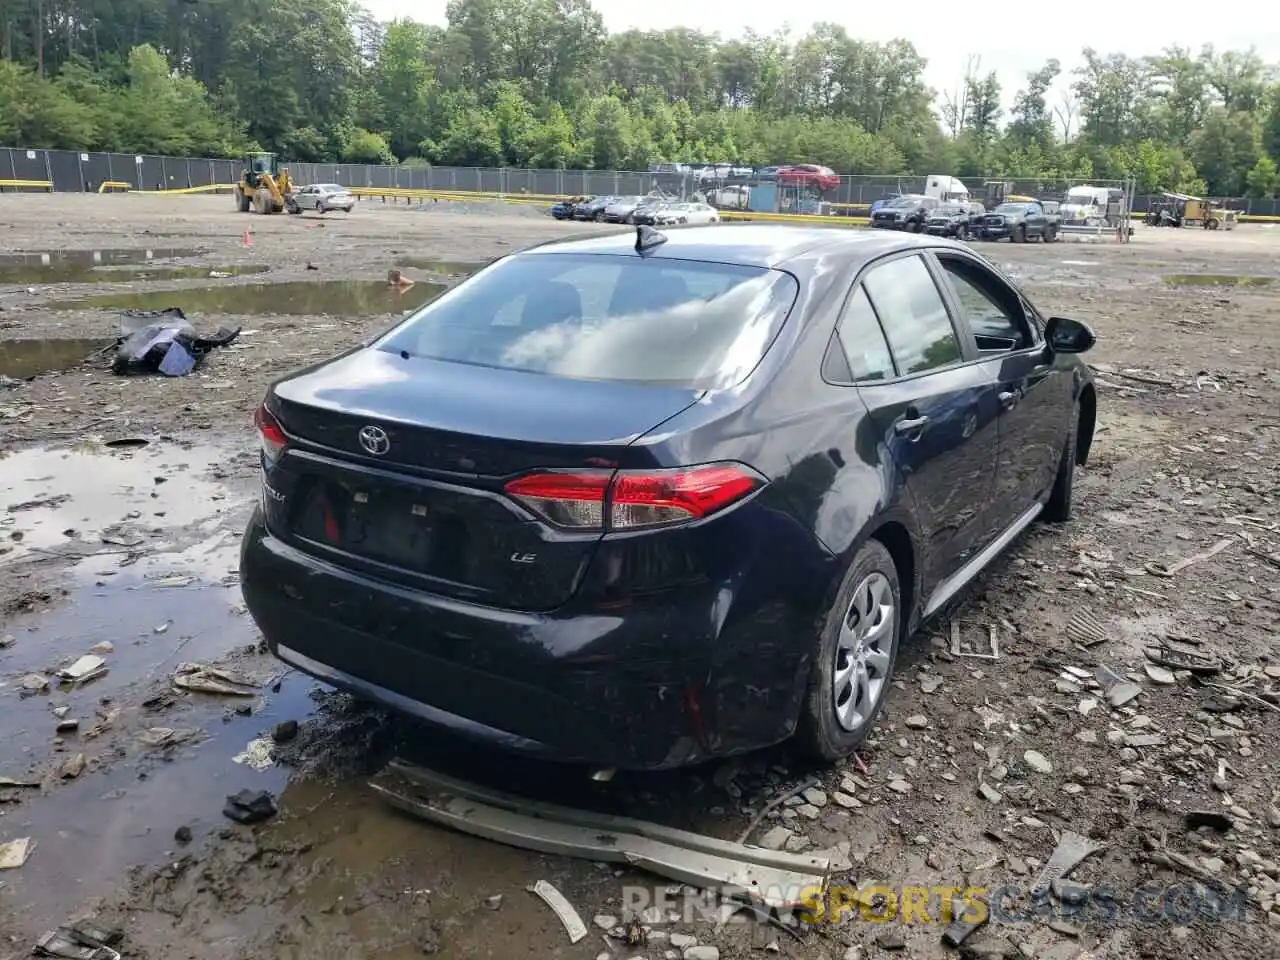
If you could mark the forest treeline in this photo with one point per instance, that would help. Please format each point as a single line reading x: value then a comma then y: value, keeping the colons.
x: 541, y: 83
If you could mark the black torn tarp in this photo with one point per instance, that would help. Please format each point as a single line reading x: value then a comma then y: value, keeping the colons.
x: 164, y: 341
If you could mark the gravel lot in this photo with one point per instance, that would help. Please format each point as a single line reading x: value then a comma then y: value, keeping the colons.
x: 975, y: 771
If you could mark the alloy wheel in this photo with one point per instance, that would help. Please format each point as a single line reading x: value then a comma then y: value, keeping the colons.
x: 864, y: 651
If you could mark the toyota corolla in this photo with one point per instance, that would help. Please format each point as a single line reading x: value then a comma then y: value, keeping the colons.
x: 642, y: 500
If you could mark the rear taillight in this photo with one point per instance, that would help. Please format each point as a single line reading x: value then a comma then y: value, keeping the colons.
x: 273, y: 438
x: 633, y: 499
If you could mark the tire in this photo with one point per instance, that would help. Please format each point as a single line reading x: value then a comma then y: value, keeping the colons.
x: 1213, y: 224
x: 1019, y: 234
x: 600, y: 218
x: 292, y: 207
x: 1051, y: 235
x: 962, y: 233
x: 1058, y: 507
x: 821, y: 734
x: 242, y: 202
x: 914, y: 226
x: 321, y: 209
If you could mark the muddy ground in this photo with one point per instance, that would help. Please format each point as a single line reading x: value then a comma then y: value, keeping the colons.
x: 128, y: 550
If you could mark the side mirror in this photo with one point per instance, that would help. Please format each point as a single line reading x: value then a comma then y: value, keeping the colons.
x: 1068, y: 336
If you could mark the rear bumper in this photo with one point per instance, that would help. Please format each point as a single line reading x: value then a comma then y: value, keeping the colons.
x: 634, y: 687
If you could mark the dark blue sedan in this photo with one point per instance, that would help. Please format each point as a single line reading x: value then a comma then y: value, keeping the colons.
x: 641, y: 500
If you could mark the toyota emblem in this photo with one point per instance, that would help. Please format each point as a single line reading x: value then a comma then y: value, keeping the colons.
x: 374, y: 440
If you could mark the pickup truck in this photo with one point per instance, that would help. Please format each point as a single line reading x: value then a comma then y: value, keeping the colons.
x: 907, y: 212
x: 954, y: 219
x: 1020, y: 222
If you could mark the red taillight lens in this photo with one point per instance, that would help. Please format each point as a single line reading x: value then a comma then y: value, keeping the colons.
x: 273, y: 438
x: 633, y: 499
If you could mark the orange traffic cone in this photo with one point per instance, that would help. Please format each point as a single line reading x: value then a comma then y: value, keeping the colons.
x: 247, y: 239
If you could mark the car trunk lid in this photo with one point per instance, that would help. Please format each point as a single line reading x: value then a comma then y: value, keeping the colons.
x: 396, y: 466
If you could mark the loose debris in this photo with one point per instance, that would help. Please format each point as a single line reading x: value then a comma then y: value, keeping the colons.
x: 568, y: 916
x: 202, y: 678
x: 87, y: 668
x: 79, y: 942
x: 965, y: 644
x: 250, y: 806
x: 169, y: 346
x: 745, y: 873
x: 1160, y: 570
x: 15, y: 853
x: 257, y: 754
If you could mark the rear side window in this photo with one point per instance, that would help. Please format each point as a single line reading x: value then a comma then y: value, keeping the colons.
x: 914, y: 315
x: 701, y: 326
x: 863, y: 340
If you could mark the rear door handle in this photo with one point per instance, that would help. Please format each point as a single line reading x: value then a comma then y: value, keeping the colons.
x: 1008, y: 399
x: 913, y: 425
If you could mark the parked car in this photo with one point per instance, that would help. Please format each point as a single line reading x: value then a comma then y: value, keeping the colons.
x: 767, y: 173
x: 682, y: 213
x: 593, y: 504
x: 953, y: 219
x: 908, y: 212
x: 1021, y: 221
x: 807, y: 175
x: 593, y: 209
x: 876, y: 205
x: 321, y: 197
x: 624, y: 209
x: 563, y: 209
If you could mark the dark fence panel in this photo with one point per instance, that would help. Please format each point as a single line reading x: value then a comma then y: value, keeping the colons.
x: 64, y: 171
x: 28, y: 165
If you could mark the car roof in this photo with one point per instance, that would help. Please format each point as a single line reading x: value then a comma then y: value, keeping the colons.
x: 749, y: 244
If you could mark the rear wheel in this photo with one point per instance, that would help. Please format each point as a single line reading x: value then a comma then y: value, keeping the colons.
x: 1050, y: 234
x: 242, y: 201
x: 1213, y: 224
x: 1058, y: 508
x: 857, y: 647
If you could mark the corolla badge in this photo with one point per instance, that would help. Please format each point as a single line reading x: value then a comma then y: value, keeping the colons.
x: 374, y: 440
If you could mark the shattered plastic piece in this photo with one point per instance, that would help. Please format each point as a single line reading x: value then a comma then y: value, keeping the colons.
x: 77, y: 943
x: 257, y: 754
x: 1160, y: 570
x: 1174, y: 659
x: 1071, y: 851
x: 15, y: 853
x: 10, y: 783
x: 89, y: 667
x: 959, y: 648
x: 165, y: 736
x: 171, y: 347
x: 250, y: 806
x: 568, y: 916
x: 1084, y: 629
x: 203, y: 678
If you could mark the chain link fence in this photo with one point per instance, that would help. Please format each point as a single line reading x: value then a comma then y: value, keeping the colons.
x: 69, y: 171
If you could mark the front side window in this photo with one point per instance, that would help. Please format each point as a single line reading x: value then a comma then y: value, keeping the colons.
x: 589, y: 316
x: 914, y: 315
x: 993, y: 311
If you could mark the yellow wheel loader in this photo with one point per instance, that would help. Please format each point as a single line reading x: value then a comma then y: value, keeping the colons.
x: 264, y: 185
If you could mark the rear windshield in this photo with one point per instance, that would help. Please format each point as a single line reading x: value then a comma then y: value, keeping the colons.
x: 701, y: 326
x: 331, y: 188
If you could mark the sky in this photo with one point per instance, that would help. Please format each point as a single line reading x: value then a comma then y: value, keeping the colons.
x: 947, y: 34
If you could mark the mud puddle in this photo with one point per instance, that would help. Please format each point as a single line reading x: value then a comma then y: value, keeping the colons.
x: 115, y: 256
x: 85, y: 273
x: 1216, y: 280
x: 294, y: 298
x: 21, y: 359
x: 439, y: 268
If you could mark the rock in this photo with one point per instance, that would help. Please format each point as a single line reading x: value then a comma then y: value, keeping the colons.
x: 702, y: 952
x: 604, y: 921
x: 284, y: 732
x: 917, y: 721
x: 1144, y: 740
x: 104, y: 647
x: 989, y: 793
x: 250, y: 806
x: 1072, y: 789
x: 808, y: 811
x: 182, y: 834
x: 1159, y: 675
x: 34, y: 683
x: 1132, y: 777
x: 1213, y: 864
x: 1087, y: 706
x: 891, y: 940
x: 846, y: 801
x: 70, y: 725
x: 1037, y: 761
x: 1017, y: 866
x: 797, y: 844
x: 775, y: 839
x: 815, y: 797
x: 1087, y: 736
x: 683, y: 941
x: 7, y: 641
x: 72, y: 767
x: 899, y: 786
x: 61, y: 712
x: 1273, y: 816
x: 930, y: 684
